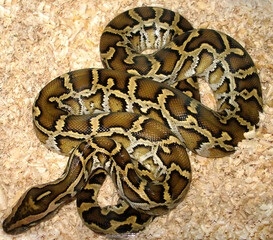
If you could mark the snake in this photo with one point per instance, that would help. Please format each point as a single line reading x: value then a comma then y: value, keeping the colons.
x: 136, y: 118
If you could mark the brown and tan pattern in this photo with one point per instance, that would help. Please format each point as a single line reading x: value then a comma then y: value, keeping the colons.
x: 99, y: 115
x: 203, y: 53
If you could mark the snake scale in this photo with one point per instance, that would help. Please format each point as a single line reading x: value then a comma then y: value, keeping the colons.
x: 134, y: 118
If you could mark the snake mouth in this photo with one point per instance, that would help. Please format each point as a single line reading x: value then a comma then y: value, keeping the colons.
x: 11, y: 229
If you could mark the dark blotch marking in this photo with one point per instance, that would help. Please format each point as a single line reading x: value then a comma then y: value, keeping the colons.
x: 145, y: 13
x: 124, y: 228
x: 155, y: 192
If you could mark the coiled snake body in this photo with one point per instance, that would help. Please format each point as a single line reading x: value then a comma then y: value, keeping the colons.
x: 133, y: 120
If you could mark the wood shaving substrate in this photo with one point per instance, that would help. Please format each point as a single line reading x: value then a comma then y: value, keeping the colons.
x: 230, y: 198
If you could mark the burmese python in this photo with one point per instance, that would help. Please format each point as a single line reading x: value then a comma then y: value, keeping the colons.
x: 119, y: 121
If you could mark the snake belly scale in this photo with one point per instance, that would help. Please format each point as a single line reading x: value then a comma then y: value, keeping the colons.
x: 133, y: 120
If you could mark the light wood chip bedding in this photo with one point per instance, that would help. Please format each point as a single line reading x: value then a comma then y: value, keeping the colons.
x: 230, y: 198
